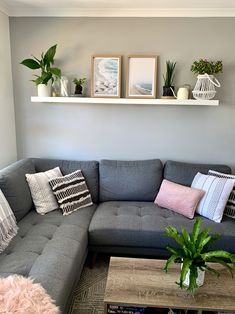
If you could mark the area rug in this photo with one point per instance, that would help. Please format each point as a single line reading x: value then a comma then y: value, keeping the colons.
x: 88, y: 297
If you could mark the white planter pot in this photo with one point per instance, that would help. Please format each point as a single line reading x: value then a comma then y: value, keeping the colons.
x: 200, y: 278
x: 44, y: 90
x: 205, y: 87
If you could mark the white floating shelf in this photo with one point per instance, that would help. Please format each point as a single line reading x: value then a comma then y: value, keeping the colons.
x: 126, y: 101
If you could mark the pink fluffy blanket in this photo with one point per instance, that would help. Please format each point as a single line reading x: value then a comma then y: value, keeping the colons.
x: 19, y: 295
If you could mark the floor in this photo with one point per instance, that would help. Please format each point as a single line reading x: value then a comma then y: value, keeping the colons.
x: 89, y: 295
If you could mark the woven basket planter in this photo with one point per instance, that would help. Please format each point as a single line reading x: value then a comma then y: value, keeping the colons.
x: 205, y: 87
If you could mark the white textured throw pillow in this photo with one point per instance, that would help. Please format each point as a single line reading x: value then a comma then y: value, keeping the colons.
x: 217, y: 191
x: 230, y: 206
x: 8, y: 227
x: 42, y: 195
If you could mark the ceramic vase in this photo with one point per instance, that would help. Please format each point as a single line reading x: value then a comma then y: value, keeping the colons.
x: 44, y: 90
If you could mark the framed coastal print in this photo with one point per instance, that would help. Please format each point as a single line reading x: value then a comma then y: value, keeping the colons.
x: 106, y: 76
x: 141, y: 76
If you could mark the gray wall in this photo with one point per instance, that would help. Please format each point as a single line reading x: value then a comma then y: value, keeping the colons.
x: 195, y: 134
x: 7, y: 115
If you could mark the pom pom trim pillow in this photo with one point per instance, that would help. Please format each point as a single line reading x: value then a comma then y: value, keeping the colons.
x: 8, y: 226
x: 230, y: 206
x: 179, y: 198
x: 217, y: 191
x: 71, y: 192
x: 42, y: 195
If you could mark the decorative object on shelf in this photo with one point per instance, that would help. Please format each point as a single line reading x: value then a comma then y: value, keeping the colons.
x: 168, y: 87
x: 141, y: 76
x: 182, y: 93
x: 48, y: 73
x: 106, y: 76
x: 79, y: 84
x: 194, y: 255
x: 56, y: 87
x: 64, y: 86
x: 206, y: 82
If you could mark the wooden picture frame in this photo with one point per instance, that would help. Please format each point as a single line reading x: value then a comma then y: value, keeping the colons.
x: 106, y: 76
x: 141, y: 78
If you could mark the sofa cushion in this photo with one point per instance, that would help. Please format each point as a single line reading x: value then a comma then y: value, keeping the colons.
x: 50, y: 249
x: 15, y: 188
x: 90, y: 170
x: 142, y: 225
x: 184, y: 173
x: 130, y: 180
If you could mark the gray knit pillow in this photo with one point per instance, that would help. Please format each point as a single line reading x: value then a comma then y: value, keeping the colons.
x: 71, y: 192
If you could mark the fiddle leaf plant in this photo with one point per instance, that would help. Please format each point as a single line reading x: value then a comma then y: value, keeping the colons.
x: 47, y: 71
x: 193, y: 253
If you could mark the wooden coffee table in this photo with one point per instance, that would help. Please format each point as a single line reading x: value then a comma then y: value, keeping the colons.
x: 143, y: 283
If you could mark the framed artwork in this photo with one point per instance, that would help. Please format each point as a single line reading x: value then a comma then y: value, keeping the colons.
x: 106, y: 76
x: 141, y: 77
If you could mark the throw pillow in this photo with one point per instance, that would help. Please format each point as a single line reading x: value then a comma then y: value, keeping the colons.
x: 230, y: 206
x: 179, y: 198
x: 42, y: 195
x: 217, y: 190
x: 71, y: 192
x: 8, y: 227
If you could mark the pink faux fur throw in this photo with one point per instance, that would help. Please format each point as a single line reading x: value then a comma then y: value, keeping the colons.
x: 19, y: 295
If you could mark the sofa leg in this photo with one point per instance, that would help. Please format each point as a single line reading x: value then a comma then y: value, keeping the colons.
x: 93, y: 259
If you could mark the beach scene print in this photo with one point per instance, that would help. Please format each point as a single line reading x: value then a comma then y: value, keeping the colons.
x: 141, y: 76
x: 106, y: 76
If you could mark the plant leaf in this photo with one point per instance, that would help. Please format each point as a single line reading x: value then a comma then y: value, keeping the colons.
x: 170, y: 261
x: 193, y: 279
x: 49, y: 55
x: 212, y: 270
x: 219, y: 253
x: 31, y: 63
x: 173, y: 233
x: 55, y: 71
x: 196, y: 229
x: 185, y: 268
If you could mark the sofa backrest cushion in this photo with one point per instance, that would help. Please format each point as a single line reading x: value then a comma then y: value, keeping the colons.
x: 184, y: 173
x: 15, y: 187
x: 90, y: 170
x: 130, y: 180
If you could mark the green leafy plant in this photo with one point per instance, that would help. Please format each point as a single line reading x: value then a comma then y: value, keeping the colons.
x: 204, y: 66
x: 47, y: 71
x: 79, y: 82
x: 194, y: 254
x: 168, y: 77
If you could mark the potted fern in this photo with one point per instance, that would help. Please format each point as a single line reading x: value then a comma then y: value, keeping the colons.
x: 168, y: 80
x: 48, y: 73
x: 194, y: 255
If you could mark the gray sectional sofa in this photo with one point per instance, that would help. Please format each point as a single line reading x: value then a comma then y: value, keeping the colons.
x: 123, y: 220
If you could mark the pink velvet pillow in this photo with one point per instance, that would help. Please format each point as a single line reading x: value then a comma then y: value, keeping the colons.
x: 181, y: 199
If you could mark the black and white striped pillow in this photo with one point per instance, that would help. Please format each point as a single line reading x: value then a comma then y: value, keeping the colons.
x: 71, y: 192
x: 230, y: 206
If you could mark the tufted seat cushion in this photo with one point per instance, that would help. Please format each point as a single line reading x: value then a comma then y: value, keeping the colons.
x: 141, y: 225
x: 51, y: 249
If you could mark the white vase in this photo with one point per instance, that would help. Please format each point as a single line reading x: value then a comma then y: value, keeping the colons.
x: 205, y: 87
x: 44, y: 90
x: 199, y: 280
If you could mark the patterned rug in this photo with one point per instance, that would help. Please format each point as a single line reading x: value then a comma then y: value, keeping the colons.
x: 89, y: 295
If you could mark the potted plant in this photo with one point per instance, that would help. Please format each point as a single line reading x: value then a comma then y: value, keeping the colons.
x: 193, y: 253
x: 168, y: 79
x: 48, y: 73
x: 79, y: 83
x: 206, y: 82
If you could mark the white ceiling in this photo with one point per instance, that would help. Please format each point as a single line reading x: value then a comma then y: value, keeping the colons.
x: 192, y: 8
